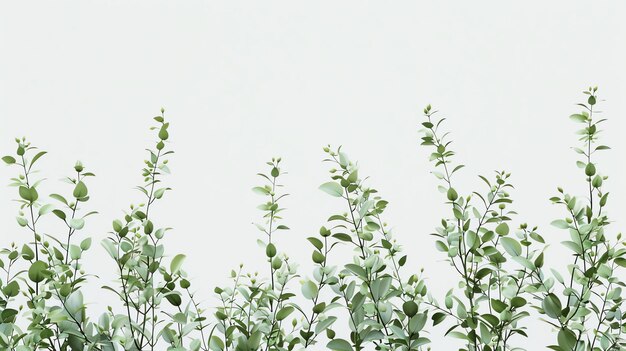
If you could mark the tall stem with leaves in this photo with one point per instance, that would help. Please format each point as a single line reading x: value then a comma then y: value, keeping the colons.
x: 253, y: 311
x: 382, y: 309
x: 478, y: 243
x: 586, y: 306
x: 135, y: 246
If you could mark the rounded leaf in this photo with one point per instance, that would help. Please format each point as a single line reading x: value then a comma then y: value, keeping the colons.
x: 38, y: 271
x: 409, y: 308
x: 80, y: 190
x: 452, y: 194
x: 332, y: 188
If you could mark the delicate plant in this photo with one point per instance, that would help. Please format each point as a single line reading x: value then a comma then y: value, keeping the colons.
x: 586, y: 306
x: 144, y: 280
x: 47, y: 271
x: 499, y: 269
x: 478, y: 243
x: 254, y: 311
x: 383, y: 309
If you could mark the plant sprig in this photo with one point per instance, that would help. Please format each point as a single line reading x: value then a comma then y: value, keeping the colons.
x: 478, y: 243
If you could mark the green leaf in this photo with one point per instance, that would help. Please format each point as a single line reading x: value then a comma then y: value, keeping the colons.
x: 409, y: 308
x: 566, y: 339
x: 309, y: 290
x: 620, y: 261
x: 85, y: 244
x: 163, y: 134
x: 316, y: 242
x: 8, y: 160
x: 28, y: 194
x: 524, y: 262
x: 284, y: 313
x: 270, y: 250
x: 502, y: 229
x: 38, y: 271
x: 573, y: 246
x: 75, y: 252
x: 324, y: 324
x: 45, y: 209
x: 560, y: 223
x: 441, y: 246
x: 36, y: 157
x: 552, y: 305
x: 417, y: 323
x: 578, y: 118
x: 177, y: 263
x: 75, y: 305
x: 23, y: 222
x: 518, y: 301
x: 511, y: 246
x: 275, y: 172
x: 174, y: 298
x: 438, y: 318
x: 590, y: 169
x: 80, y: 190
x: 77, y: 223
x: 339, y: 345
x: 11, y: 289
x: 498, y: 305
x: 27, y: 253
x: 332, y: 188
x: 261, y: 190
x: 59, y: 198
x: 452, y: 194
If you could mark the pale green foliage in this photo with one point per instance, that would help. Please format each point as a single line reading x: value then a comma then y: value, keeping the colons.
x: 384, y: 309
x: 499, y: 268
x: 145, y: 282
x: 257, y: 313
x: 585, y: 303
x: 479, y: 244
x: 47, y: 270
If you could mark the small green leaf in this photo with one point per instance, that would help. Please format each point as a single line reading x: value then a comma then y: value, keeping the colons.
x: 339, y: 345
x: 28, y: 194
x: 498, y: 305
x: 284, y: 313
x: 332, y: 188
x: 270, y: 250
x: 409, y: 308
x: 502, y: 229
x: 80, y: 190
x: 27, y: 253
x: 590, y: 169
x: 620, y: 261
x: 85, y: 244
x: 552, y: 305
x: 309, y: 290
x: 560, y: 223
x: 566, y: 339
x: 511, y: 246
x: 578, y: 118
x: 36, y: 157
x: 77, y: 223
x: 38, y: 271
x: 75, y: 252
x: 452, y: 194
x: 163, y: 134
x: 9, y: 160
x: 177, y: 263
x: 275, y: 172
x: 45, y: 209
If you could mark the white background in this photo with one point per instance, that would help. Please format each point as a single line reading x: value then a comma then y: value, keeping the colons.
x: 244, y: 81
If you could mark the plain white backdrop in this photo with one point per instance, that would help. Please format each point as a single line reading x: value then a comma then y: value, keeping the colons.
x: 244, y: 81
